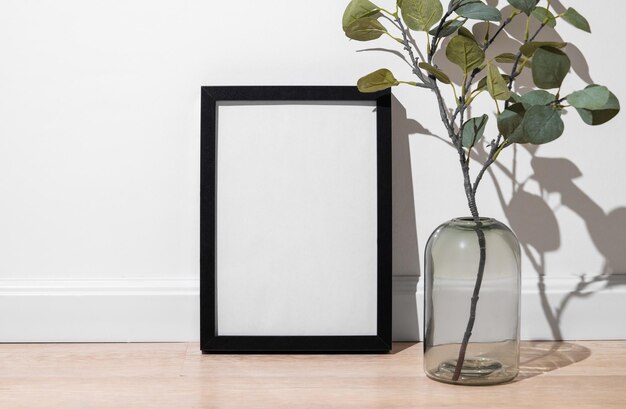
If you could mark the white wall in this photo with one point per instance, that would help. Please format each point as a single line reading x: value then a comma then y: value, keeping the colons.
x: 99, y: 163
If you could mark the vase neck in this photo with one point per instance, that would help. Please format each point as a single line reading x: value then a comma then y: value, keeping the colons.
x: 469, y: 221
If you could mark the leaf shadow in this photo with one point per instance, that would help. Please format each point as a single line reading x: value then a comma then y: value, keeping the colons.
x: 538, y: 230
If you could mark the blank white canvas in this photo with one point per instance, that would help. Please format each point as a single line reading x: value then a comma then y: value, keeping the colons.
x: 296, y: 218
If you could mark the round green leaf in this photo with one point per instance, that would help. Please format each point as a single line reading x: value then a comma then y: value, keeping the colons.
x: 496, y: 85
x: 576, y: 19
x: 473, y: 130
x: 515, y: 98
x: 466, y: 33
x: 529, y: 49
x: 593, y: 97
x: 477, y: 10
x: 506, y: 58
x: 544, y: 16
x: 421, y: 15
x: 365, y: 29
x: 482, y: 84
x: 465, y: 53
x: 449, y: 27
x: 357, y: 9
x: 550, y: 67
x: 510, y: 58
x: 537, y: 97
x: 542, y: 124
x: 436, y: 72
x: 377, y: 81
x: 527, y: 6
x: 510, y: 124
x: 601, y: 115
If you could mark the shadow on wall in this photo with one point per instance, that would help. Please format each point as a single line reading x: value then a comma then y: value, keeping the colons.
x: 406, y: 261
x: 530, y: 216
x: 537, y: 228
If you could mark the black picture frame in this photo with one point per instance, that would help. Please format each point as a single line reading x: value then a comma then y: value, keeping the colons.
x: 210, y: 341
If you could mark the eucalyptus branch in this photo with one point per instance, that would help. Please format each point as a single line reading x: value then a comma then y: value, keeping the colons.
x: 495, y: 150
x: 514, y: 72
x: 467, y: 84
x: 482, y: 244
x: 414, y: 61
x: 443, y: 112
x: 495, y: 35
x: 395, y: 24
x: 435, y: 42
x: 417, y: 49
x: 532, y: 38
x: 497, y: 146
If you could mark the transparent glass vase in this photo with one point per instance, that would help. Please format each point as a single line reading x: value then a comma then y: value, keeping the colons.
x: 452, y: 260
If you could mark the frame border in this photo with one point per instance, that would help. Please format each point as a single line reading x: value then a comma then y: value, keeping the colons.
x: 210, y: 342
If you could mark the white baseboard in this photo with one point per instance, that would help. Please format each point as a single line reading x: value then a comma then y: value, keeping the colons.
x: 116, y: 310
x: 593, y: 311
x: 167, y: 310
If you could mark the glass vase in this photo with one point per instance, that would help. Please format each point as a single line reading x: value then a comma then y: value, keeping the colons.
x: 453, y: 277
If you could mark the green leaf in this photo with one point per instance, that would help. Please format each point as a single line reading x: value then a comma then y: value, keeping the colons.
x: 542, y: 124
x: 436, y: 72
x: 421, y: 15
x: 377, y: 81
x: 466, y: 33
x: 365, y: 29
x: 459, y: 3
x: 357, y: 9
x: 496, y: 84
x: 473, y: 130
x: 544, y: 16
x: 529, y: 49
x: 603, y: 114
x: 594, y: 97
x: 449, y: 27
x: 515, y: 98
x: 482, y: 84
x: 477, y: 10
x: 537, y: 97
x: 510, y: 124
x: 576, y: 19
x: 510, y: 58
x: 550, y: 66
x: 527, y: 6
x: 506, y: 58
x: 465, y: 53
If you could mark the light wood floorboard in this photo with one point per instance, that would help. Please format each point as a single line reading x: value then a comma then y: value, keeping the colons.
x: 173, y: 376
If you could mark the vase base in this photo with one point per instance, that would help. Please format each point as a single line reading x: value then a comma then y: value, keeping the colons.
x: 472, y: 367
x: 475, y: 371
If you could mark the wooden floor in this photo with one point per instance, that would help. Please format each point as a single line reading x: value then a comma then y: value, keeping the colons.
x: 178, y: 376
